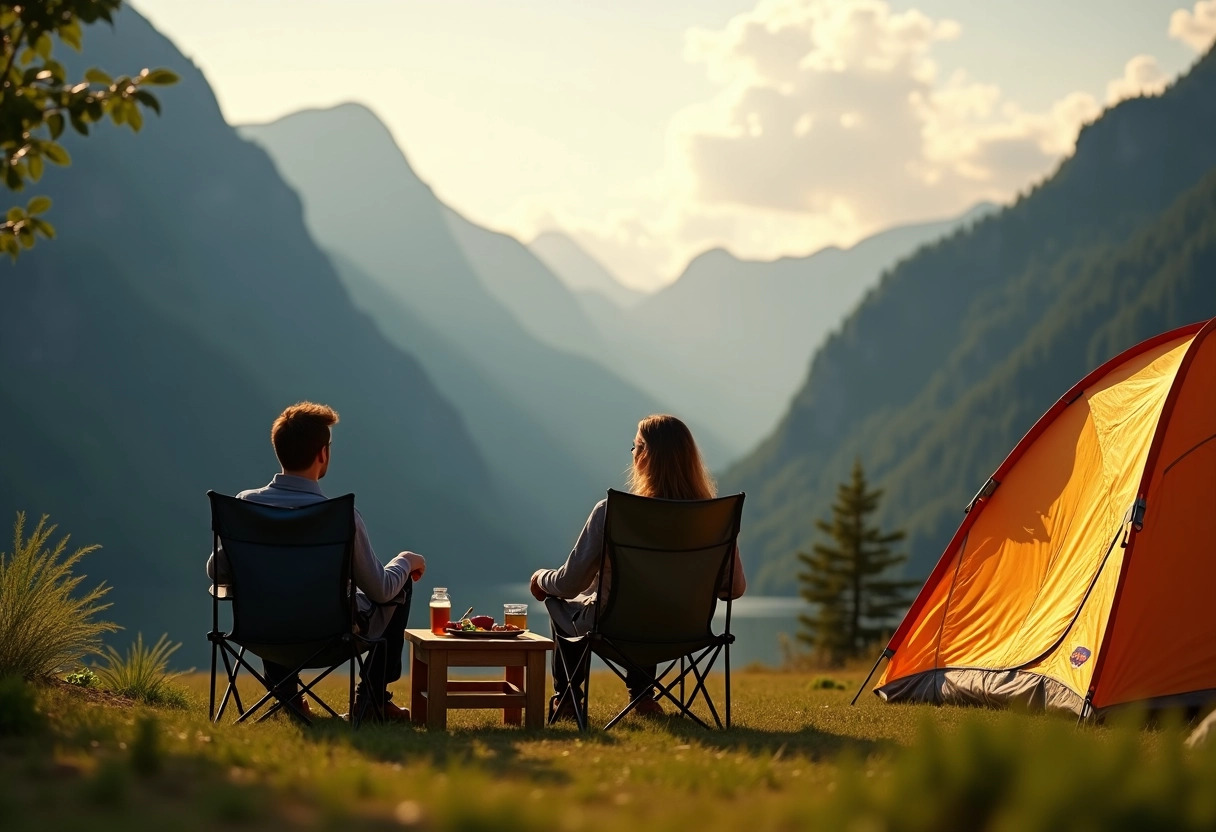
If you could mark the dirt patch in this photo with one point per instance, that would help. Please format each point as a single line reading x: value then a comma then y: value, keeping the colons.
x: 91, y: 696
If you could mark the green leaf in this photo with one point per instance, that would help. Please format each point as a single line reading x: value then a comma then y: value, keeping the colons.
x: 134, y: 117
x: 13, y: 179
x: 55, y: 122
x: 38, y: 205
x: 25, y: 235
x: 70, y: 34
x: 159, y: 77
x: 79, y: 124
x: 43, y: 227
x: 8, y: 242
x: 96, y: 76
x: 15, y: 214
x: 43, y: 45
x: 55, y: 152
x: 148, y: 100
x: 35, y: 167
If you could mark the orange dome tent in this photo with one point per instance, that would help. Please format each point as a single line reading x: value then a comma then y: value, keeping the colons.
x: 1084, y: 574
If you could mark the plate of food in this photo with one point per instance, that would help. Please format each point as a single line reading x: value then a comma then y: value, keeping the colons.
x: 482, y: 626
x: 485, y: 633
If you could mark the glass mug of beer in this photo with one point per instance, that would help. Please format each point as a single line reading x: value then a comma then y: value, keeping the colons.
x: 516, y: 614
x: 441, y: 610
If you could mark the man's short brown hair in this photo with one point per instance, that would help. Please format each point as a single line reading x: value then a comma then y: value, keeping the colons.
x: 300, y: 432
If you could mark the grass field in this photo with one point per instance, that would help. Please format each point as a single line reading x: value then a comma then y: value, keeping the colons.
x: 798, y: 757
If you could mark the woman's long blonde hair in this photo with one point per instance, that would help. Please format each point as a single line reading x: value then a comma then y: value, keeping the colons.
x: 668, y: 464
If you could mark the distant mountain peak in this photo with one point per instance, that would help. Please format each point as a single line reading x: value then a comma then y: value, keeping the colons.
x: 579, y: 269
x: 361, y: 130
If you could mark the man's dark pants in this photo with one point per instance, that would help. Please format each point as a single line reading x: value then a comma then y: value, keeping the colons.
x: 378, y: 674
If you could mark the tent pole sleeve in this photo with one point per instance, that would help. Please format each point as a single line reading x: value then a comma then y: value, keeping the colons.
x: 886, y: 654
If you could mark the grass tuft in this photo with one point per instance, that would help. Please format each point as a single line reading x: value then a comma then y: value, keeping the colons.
x: 145, y: 748
x: 44, y: 625
x: 19, y: 716
x: 142, y: 674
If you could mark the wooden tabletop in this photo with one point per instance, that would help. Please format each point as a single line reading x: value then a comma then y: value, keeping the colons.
x: 528, y: 641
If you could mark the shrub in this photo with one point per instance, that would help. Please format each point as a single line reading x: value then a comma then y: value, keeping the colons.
x: 19, y: 714
x: 83, y: 678
x: 145, y: 748
x: 142, y: 673
x: 825, y: 683
x: 43, y: 624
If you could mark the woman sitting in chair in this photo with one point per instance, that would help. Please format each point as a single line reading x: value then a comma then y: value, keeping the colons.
x: 667, y: 465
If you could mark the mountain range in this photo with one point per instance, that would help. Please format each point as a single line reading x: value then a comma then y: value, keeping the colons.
x: 148, y: 348
x: 203, y: 278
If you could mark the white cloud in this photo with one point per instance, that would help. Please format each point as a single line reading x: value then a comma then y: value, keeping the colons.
x: 833, y: 121
x: 1197, y: 29
x: 1141, y: 76
x: 837, y: 111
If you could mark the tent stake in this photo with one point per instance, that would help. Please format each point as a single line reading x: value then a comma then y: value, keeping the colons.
x: 886, y: 654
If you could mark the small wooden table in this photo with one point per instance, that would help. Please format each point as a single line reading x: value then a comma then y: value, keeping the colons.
x: 432, y: 693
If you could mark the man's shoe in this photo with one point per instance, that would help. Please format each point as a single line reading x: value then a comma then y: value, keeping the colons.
x: 565, y: 713
x: 299, y: 705
x: 366, y: 709
x: 648, y: 707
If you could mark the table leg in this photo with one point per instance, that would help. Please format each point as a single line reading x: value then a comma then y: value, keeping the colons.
x: 535, y: 690
x: 437, y: 691
x: 418, y: 680
x: 515, y: 676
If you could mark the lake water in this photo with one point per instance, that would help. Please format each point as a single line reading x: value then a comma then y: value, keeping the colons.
x: 756, y: 621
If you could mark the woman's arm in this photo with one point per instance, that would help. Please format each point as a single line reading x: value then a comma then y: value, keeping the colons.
x: 577, y: 574
x: 738, y: 582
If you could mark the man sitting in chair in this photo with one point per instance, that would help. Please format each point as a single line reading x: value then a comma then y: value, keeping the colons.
x: 301, y: 438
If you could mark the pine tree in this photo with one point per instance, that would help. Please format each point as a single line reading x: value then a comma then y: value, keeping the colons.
x: 855, y: 604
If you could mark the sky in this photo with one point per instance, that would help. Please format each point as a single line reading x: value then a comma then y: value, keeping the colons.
x: 652, y: 130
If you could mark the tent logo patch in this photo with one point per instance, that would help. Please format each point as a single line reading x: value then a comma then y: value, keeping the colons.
x: 1080, y: 655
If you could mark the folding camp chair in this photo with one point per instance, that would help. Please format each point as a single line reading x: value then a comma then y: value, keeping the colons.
x: 292, y: 597
x: 670, y: 561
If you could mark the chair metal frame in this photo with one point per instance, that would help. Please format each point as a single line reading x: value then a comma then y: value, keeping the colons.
x: 344, y: 645
x: 696, y: 662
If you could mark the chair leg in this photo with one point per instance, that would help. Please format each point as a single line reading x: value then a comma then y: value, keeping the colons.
x: 682, y: 673
x: 211, y: 702
x: 355, y: 718
x: 701, y: 676
x: 582, y: 713
x: 578, y: 684
x: 726, y: 658
x: 231, y: 692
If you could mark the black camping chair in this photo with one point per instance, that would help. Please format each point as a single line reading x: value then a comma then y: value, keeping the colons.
x: 670, y: 560
x: 292, y: 597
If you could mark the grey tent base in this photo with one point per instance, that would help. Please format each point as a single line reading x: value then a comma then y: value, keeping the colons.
x: 984, y: 688
x: 1020, y: 689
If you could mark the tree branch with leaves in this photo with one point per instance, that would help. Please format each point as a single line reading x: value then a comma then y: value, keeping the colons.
x: 38, y: 102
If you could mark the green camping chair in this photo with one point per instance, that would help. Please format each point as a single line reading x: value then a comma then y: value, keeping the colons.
x: 670, y: 561
x: 292, y: 598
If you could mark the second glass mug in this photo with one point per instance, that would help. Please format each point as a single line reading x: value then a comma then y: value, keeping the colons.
x: 516, y: 614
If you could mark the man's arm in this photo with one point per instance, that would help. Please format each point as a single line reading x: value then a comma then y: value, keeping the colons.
x: 379, y: 582
x: 217, y: 566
